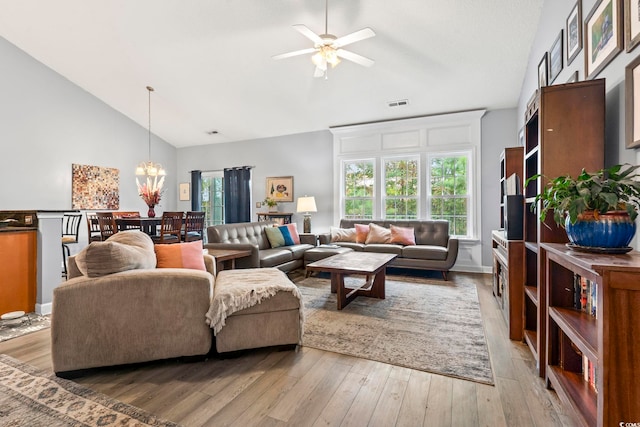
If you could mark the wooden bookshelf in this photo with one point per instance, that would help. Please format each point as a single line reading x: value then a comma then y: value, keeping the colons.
x: 606, y: 339
x: 508, y: 267
x: 564, y: 132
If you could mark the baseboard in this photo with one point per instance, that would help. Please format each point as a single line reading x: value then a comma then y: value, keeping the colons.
x: 44, y: 309
x: 474, y: 269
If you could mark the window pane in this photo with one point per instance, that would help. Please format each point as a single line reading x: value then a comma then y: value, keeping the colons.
x: 358, y: 189
x: 449, y: 192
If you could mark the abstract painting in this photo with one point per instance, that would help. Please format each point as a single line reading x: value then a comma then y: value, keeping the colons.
x: 95, y: 187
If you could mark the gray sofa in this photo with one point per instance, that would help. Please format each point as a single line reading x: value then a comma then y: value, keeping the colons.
x: 434, y: 248
x: 251, y: 236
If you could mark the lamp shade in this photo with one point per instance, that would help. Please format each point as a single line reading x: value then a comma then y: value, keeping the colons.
x: 307, y: 204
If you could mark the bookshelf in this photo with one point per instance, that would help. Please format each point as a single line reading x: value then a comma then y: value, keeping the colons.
x: 508, y: 254
x: 564, y: 132
x: 600, y: 340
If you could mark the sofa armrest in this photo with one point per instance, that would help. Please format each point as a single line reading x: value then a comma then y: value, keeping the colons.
x: 452, y: 252
x: 324, y: 239
x: 309, y: 239
x: 251, y: 261
x: 129, y: 317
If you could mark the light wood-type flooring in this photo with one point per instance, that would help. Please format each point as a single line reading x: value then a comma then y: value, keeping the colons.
x: 318, y: 388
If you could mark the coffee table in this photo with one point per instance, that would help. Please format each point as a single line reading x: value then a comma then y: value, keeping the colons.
x: 223, y: 256
x: 371, y: 264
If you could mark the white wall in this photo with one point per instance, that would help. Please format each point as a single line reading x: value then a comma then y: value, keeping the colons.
x: 48, y: 123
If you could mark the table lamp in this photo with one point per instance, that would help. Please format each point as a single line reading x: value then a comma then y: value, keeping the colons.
x: 307, y: 204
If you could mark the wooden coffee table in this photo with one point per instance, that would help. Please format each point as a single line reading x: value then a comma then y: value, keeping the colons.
x: 223, y: 256
x: 371, y: 264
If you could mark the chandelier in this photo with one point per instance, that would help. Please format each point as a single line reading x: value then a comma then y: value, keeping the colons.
x: 152, y: 174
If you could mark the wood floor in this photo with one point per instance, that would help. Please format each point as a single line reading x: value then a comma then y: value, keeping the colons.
x: 318, y: 388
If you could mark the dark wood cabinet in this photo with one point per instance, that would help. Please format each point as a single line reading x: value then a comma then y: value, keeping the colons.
x: 592, y: 362
x: 564, y: 133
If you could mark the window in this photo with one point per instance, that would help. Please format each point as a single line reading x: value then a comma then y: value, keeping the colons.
x: 401, y: 189
x: 213, y: 198
x: 449, y: 195
x: 359, y: 195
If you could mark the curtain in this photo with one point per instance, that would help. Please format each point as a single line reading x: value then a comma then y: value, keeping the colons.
x: 196, y: 190
x: 237, y: 194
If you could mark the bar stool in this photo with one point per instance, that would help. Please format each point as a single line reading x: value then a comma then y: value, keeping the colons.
x: 70, y: 231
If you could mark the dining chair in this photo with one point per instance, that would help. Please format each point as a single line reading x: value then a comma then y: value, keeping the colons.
x: 107, y: 224
x: 70, y: 232
x: 170, y: 228
x: 93, y: 228
x: 193, y: 226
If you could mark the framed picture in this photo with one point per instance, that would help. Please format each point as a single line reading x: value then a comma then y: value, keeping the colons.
x: 602, y: 36
x: 542, y: 71
x: 573, y: 78
x: 631, y: 24
x: 521, y: 137
x: 280, y: 188
x: 632, y: 103
x: 185, y: 191
x: 574, y: 32
x: 555, y: 58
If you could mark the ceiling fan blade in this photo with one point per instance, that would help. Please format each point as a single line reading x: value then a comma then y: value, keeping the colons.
x: 305, y: 31
x: 365, y: 33
x: 354, y: 57
x: 294, y: 53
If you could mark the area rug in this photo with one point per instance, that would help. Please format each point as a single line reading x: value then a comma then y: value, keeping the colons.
x: 31, y: 322
x: 30, y: 397
x: 434, y: 327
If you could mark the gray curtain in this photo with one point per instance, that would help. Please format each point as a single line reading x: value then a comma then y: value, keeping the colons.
x: 196, y: 190
x: 237, y: 194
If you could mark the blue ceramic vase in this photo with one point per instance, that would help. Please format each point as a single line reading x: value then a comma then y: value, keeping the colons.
x: 615, y: 229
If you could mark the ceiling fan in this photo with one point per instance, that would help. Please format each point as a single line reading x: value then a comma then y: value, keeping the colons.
x: 328, y: 48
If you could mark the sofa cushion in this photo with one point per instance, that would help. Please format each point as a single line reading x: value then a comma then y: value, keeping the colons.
x: 354, y: 246
x: 378, y: 234
x: 384, y: 248
x: 297, y: 251
x: 402, y: 235
x: 275, y: 257
x: 126, y: 250
x: 180, y: 255
x: 429, y: 252
x: 343, y: 234
x: 362, y: 231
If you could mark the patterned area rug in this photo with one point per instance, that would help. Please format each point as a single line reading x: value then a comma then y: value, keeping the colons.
x: 434, y: 327
x: 26, y: 324
x: 30, y: 397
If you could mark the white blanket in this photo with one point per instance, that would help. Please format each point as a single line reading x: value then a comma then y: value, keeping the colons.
x: 236, y: 290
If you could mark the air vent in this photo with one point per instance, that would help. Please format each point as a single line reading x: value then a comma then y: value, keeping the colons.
x: 212, y: 132
x: 398, y: 103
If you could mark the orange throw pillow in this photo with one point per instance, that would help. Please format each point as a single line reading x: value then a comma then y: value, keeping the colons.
x: 180, y: 255
x: 361, y: 233
x: 403, y: 235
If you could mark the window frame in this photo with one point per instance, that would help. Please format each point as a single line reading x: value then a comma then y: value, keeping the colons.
x: 344, y: 198
x: 383, y: 188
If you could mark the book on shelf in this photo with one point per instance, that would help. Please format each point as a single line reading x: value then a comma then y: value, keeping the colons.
x: 585, y: 295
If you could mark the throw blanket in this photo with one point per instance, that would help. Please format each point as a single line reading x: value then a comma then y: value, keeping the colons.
x: 236, y: 290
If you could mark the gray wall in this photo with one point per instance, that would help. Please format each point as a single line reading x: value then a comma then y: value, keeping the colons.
x: 48, y: 123
x: 552, y: 20
x: 308, y: 157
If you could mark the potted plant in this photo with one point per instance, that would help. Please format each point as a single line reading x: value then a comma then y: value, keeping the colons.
x: 271, y: 203
x: 598, y: 209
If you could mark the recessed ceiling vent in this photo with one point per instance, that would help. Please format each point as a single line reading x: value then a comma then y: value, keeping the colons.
x: 398, y: 103
x: 212, y: 132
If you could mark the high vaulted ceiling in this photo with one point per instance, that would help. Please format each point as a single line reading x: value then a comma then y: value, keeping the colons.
x: 210, y: 60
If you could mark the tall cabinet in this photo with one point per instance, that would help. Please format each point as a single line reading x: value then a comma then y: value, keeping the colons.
x: 564, y: 133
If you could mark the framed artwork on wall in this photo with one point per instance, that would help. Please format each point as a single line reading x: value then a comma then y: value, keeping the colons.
x: 185, y: 191
x: 555, y: 58
x: 542, y: 71
x: 602, y: 36
x: 631, y: 24
x: 95, y: 187
x: 574, y: 32
x: 632, y: 103
x: 280, y: 188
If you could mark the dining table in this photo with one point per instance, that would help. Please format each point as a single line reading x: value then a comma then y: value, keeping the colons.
x: 146, y: 224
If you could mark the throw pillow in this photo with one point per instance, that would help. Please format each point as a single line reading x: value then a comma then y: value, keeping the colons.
x: 126, y: 250
x: 378, y: 234
x: 343, y: 234
x: 275, y: 237
x: 403, y: 235
x: 290, y: 233
x: 181, y: 255
x: 361, y: 233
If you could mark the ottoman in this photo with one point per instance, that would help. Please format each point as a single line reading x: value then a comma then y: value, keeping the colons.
x: 255, y: 307
x: 322, y: 252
